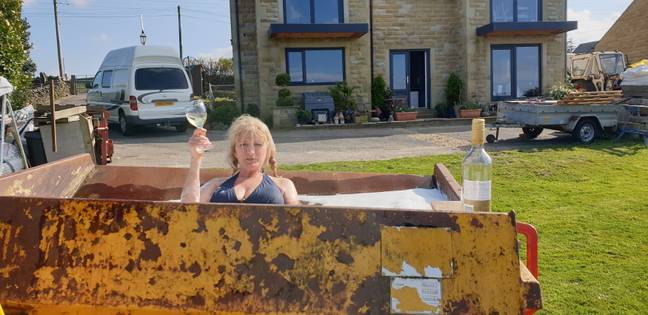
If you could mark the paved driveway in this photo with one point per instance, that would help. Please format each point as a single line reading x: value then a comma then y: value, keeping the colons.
x: 156, y: 146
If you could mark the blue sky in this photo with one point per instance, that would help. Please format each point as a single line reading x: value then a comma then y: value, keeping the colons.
x: 90, y: 28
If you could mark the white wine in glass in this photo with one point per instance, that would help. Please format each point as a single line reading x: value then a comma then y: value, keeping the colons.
x: 197, y: 115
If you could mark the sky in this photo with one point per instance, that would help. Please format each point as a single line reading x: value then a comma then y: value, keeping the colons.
x: 91, y: 28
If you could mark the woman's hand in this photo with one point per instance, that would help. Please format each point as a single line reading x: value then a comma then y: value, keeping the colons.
x: 198, y: 142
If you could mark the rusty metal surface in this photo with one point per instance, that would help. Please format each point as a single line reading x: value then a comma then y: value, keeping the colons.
x: 60, y: 179
x: 93, y: 256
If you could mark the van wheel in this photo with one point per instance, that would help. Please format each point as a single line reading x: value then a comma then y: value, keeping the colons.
x: 181, y: 128
x: 125, y: 128
x: 586, y: 130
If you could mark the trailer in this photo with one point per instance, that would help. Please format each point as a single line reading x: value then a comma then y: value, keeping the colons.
x: 585, y: 121
x: 79, y: 238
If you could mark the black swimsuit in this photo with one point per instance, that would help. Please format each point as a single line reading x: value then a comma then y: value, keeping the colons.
x: 267, y: 192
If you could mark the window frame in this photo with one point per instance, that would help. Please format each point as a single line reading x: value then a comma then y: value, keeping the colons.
x: 98, y: 75
x: 103, y: 76
x: 515, y: 13
x: 304, y: 70
x: 513, y: 50
x: 312, y: 12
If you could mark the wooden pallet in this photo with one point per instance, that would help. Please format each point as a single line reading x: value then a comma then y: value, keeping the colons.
x: 591, y: 98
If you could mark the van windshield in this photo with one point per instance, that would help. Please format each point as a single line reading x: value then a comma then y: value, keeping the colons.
x: 160, y: 79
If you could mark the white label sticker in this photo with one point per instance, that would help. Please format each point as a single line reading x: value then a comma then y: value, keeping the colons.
x: 476, y: 190
x: 428, y: 291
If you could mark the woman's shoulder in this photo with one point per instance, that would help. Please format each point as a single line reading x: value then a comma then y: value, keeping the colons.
x: 282, y: 182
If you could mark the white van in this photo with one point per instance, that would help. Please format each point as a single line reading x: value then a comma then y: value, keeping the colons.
x: 142, y: 85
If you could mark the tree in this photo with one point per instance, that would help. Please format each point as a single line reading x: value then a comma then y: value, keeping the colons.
x: 571, y: 46
x: 15, y: 63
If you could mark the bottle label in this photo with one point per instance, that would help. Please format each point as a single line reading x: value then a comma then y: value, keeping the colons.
x: 476, y: 190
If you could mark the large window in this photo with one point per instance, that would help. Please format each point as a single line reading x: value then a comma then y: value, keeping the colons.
x: 315, y: 66
x: 515, y: 71
x: 313, y: 11
x: 160, y: 79
x: 515, y: 10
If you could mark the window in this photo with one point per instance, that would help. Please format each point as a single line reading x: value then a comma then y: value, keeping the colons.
x: 315, y: 66
x: 612, y: 63
x: 97, y: 80
x: 515, y: 71
x: 107, y: 79
x: 515, y: 10
x: 313, y: 11
x: 160, y: 79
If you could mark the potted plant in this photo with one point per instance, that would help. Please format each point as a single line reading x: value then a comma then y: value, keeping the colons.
x: 453, y: 91
x: 470, y: 110
x: 344, y: 100
x: 405, y: 113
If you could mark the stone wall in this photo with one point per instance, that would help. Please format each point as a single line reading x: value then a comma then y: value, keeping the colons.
x: 628, y: 35
x: 40, y: 97
x: 444, y: 28
x: 247, y: 20
x: 413, y: 24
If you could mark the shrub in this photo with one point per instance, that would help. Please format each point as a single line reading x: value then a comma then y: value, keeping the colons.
x: 224, y: 114
x: 304, y: 117
x: 253, y: 110
x: 405, y: 109
x: 282, y: 79
x: 470, y: 105
x: 284, y: 93
x: 443, y: 110
x: 453, y: 90
x: 285, y: 97
x: 15, y: 63
x: 342, y: 95
x: 379, y: 92
x: 285, y: 101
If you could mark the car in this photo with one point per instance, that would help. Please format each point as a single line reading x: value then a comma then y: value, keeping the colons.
x: 142, y: 85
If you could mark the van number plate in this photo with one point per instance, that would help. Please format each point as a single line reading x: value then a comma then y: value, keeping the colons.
x: 164, y: 103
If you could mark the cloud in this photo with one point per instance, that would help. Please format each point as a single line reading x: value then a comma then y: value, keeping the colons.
x: 28, y: 2
x: 216, y: 53
x: 590, y: 28
x: 102, y: 37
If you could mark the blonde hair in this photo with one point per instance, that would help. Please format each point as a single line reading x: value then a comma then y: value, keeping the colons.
x: 247, y: 126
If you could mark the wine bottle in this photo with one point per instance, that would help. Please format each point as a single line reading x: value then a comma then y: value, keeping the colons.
x: 477, y: 169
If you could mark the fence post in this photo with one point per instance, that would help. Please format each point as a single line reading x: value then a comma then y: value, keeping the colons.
x: 73, y: 82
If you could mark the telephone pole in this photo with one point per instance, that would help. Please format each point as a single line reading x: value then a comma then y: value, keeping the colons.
x: 180, y: 32
x: 58, y: 42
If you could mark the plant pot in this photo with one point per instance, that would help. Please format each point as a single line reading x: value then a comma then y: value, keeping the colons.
x: 402, y: 116
x: 470, y: 113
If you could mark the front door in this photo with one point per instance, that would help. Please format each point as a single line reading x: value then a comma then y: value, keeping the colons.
x: 409, y: 73
x: 399, y: 77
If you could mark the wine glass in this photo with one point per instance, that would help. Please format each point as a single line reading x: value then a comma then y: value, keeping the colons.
x: 197, y: 115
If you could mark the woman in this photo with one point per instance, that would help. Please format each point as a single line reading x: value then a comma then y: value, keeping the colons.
x: 251, y: 149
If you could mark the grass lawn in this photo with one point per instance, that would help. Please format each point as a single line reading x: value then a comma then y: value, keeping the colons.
x: 590, y: 206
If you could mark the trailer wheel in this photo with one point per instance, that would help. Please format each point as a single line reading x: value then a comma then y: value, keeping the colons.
x: 532, y: 132
x: 490, y: 138
x: 585, y: 131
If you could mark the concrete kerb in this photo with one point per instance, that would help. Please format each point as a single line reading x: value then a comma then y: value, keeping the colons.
x: 428, y: 122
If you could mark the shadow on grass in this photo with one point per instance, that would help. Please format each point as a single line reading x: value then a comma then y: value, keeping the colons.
x: 623, y: 147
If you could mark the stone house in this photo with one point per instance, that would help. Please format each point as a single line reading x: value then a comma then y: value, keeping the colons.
x: 628, y: 34
x: 502, y: 49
